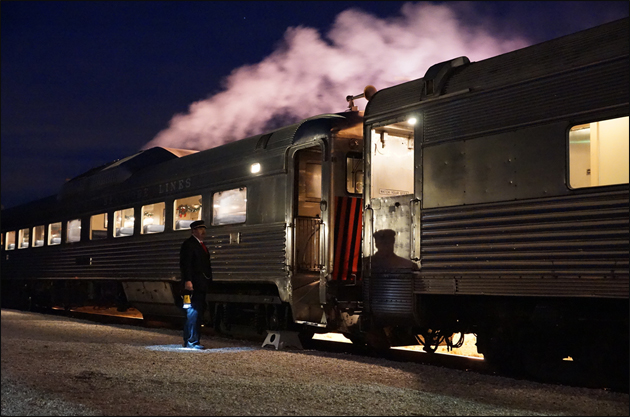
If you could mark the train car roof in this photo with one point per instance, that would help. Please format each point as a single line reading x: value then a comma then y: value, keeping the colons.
x: 120, y: 170
x: 243, y: 152
x: 459, y: 75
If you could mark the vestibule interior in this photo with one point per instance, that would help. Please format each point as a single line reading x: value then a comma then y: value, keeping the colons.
x: 308, y: 212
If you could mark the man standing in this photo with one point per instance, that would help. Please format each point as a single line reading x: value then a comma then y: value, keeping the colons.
x: 194, y: 263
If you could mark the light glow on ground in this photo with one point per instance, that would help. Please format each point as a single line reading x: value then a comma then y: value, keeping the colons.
x: 468, y: 349
x: 131, y: 312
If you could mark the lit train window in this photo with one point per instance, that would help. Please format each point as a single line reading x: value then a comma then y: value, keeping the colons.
x: 598, y: 153
x: 354, y: 174
x: 229, y: 207
x: 73, y: 230
x: 98, y: 226
x: 54, y: 233
x: 24, y: 236
x: 153, y: 218
x: 123, y: 222
x: 185, y: 211
x: 38, y: 236
x: 10, y: 240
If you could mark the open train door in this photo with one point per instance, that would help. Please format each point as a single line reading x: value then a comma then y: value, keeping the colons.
x: 308, y: 235
x: 392, y: 199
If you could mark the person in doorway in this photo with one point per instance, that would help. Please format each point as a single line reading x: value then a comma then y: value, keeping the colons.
x: 196, y: 272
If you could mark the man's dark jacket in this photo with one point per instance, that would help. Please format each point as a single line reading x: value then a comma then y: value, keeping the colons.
x: 194, y: 264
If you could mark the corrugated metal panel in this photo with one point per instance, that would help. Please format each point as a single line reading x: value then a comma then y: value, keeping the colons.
x: 259, y: 253
x: 391, y: 298
x: 569, y: 94
x: 575, y: 245
x: 572, y: 51
x: 524, y: 285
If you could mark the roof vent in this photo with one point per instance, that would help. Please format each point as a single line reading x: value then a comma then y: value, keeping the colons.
x: 438, y: 74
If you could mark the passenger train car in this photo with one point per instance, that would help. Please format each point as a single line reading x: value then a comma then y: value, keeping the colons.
x: 486, y: 197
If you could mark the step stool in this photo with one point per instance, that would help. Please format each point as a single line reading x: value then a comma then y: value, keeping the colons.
x: 282, y: 339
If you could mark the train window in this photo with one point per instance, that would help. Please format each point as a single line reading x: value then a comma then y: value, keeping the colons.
x: 354, y: 174
x: 38, y: 236
x: 392, y: 160
x: 598, y: 153
x: 54, y: 233
x: 24, y: 236
x: 186, y: 210
x: 153, y: 218
x: 98, y: 226
x: 73, y: 230
x: 123, y: 222
x: 229, y: 206
x: 10, y: 240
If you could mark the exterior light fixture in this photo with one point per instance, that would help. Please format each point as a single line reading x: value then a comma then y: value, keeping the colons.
x: 412, y: 121
x: 255, y: 168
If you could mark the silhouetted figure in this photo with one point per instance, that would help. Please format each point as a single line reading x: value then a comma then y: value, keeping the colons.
x: 385, y: 258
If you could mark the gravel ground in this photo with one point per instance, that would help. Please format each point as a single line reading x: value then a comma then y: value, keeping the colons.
x: 60, y: 366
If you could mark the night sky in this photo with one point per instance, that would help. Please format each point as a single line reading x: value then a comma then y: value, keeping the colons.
x: 85, y: 83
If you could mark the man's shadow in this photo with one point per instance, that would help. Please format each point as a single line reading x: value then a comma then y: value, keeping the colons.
x: 385, y: 258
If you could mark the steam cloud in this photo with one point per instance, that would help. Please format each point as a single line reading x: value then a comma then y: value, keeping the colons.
x: 309, y: 75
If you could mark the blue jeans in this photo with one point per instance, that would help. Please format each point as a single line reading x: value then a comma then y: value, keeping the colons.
x: 194, y: 316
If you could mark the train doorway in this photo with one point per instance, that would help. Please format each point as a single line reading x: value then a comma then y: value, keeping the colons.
x: 389, y: 248
x: 308, y: 235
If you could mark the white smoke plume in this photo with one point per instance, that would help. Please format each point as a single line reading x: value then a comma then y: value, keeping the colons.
x: 309, y: 75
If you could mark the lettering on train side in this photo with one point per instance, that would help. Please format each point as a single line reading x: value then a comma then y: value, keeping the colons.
x: 147, y: 192
x: 143, y: 193
x: 173, y: 186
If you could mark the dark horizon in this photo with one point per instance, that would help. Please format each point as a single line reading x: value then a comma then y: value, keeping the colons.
x: 86, y: 83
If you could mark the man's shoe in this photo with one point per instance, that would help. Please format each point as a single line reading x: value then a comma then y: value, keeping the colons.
x: 194, y: 346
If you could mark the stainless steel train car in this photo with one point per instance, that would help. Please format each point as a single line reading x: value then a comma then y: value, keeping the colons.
x: 114, y: 232
x: 486, y: 197
x: 510, y: 195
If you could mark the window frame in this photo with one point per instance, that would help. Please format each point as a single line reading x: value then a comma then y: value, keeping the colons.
x: 50, y: 234
x: 178, y: 206
x: 13, y: 234
x: 582, y: 155
x: 117, y: 229
x: 145, y: 213
x: 21, y: 232
x: 216, y: 218
x: 69, y: 236
x: 33, y: 236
